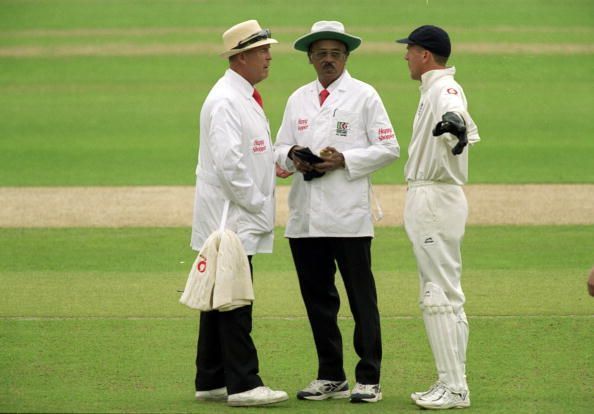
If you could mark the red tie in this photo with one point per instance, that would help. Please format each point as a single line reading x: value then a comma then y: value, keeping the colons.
x: 258, y: 98
x: 323, y: 95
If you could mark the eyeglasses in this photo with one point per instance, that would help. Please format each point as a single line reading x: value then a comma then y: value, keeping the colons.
x: 321, y: 54
x: 256, y: 37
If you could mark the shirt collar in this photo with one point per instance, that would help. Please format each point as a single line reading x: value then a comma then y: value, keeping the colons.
x: 242, y: 85
x: 429, y: 78
x: 336, y: 84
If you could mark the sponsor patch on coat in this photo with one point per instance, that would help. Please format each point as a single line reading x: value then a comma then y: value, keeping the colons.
x: 452, y: 91
x: 302, y: 124
x: 259, y: 146
x: 385, y: 133
x: 342, y: 128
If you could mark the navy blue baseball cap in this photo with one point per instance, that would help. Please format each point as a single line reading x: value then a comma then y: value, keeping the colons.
x: 432, y: 38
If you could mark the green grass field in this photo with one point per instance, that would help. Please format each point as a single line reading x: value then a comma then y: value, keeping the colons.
x: 91, y: 323
x: 107, y: 92
x: 122, y: 119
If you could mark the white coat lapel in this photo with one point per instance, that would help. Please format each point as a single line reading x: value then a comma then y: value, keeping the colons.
x: 255, y: 106
x: 336, y: 89
x: 243, y: 88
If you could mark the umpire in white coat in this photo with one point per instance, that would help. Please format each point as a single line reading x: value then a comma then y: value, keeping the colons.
x: 330, y: 214
x: 236, y: 164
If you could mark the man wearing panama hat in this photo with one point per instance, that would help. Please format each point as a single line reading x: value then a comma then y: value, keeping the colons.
x: 335, y: 133
x: 235, y: 165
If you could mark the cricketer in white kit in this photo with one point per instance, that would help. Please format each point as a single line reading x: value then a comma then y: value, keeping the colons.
x: 436, y: 210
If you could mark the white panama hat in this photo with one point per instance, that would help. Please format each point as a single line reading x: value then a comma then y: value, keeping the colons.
x: 244, y: 36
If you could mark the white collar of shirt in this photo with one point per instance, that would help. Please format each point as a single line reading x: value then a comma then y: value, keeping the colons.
x: 334, y: 85
x: 429, y: 78
x: 243, y: 86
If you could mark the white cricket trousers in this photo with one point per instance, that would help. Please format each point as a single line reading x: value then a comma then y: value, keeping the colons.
x: 434, y: 219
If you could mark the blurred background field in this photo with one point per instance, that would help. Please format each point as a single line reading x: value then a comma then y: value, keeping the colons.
x: 107, y: 93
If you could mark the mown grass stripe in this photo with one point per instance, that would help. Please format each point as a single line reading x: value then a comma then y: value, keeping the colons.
x: 198, y: 48
x: 296, y: 30
x: 275, y: 318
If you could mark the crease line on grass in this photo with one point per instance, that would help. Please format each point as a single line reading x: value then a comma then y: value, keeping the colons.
x: 272, y: 318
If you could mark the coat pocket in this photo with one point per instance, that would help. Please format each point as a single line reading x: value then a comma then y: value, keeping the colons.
x: 345, y: 126
x: 260, y: 222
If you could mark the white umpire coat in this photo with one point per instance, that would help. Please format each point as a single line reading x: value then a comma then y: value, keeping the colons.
x: 354, y: 121
x: 235, y: 163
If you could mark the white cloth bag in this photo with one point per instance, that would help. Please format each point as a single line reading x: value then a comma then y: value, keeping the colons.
x: 220, y: 278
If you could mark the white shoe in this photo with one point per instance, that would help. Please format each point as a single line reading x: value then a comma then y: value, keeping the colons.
x: 420, y: 394
x: 256, y: 396
x: 323, y: 389
x: 217, y: 394
x: 442, y: 398
x: 363, y: 393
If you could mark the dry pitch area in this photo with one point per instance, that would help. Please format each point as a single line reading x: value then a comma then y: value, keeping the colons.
x: 536, y: 204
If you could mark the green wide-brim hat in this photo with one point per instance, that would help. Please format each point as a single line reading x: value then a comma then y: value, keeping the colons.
x: 327, y: 30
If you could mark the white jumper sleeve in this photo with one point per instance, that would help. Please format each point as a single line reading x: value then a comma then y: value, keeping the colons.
x: 452, y: 99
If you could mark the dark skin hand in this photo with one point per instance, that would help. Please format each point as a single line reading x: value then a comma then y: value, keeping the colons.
x: 333, y: 160
x: 300, y: 165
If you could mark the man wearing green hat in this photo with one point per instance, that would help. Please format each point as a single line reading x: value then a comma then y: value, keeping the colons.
x: 335, y: 133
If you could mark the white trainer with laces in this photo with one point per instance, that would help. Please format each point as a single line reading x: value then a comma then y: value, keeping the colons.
x: 366, y: 393
x: 421, y: 394
x: 256, y: 396
x: 442, y: 398
x: 217, y: 394
x: 318, y: 390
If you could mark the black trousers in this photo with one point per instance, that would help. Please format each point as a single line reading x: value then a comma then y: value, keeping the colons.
x: 315, y: 260
x: 227, y: 356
